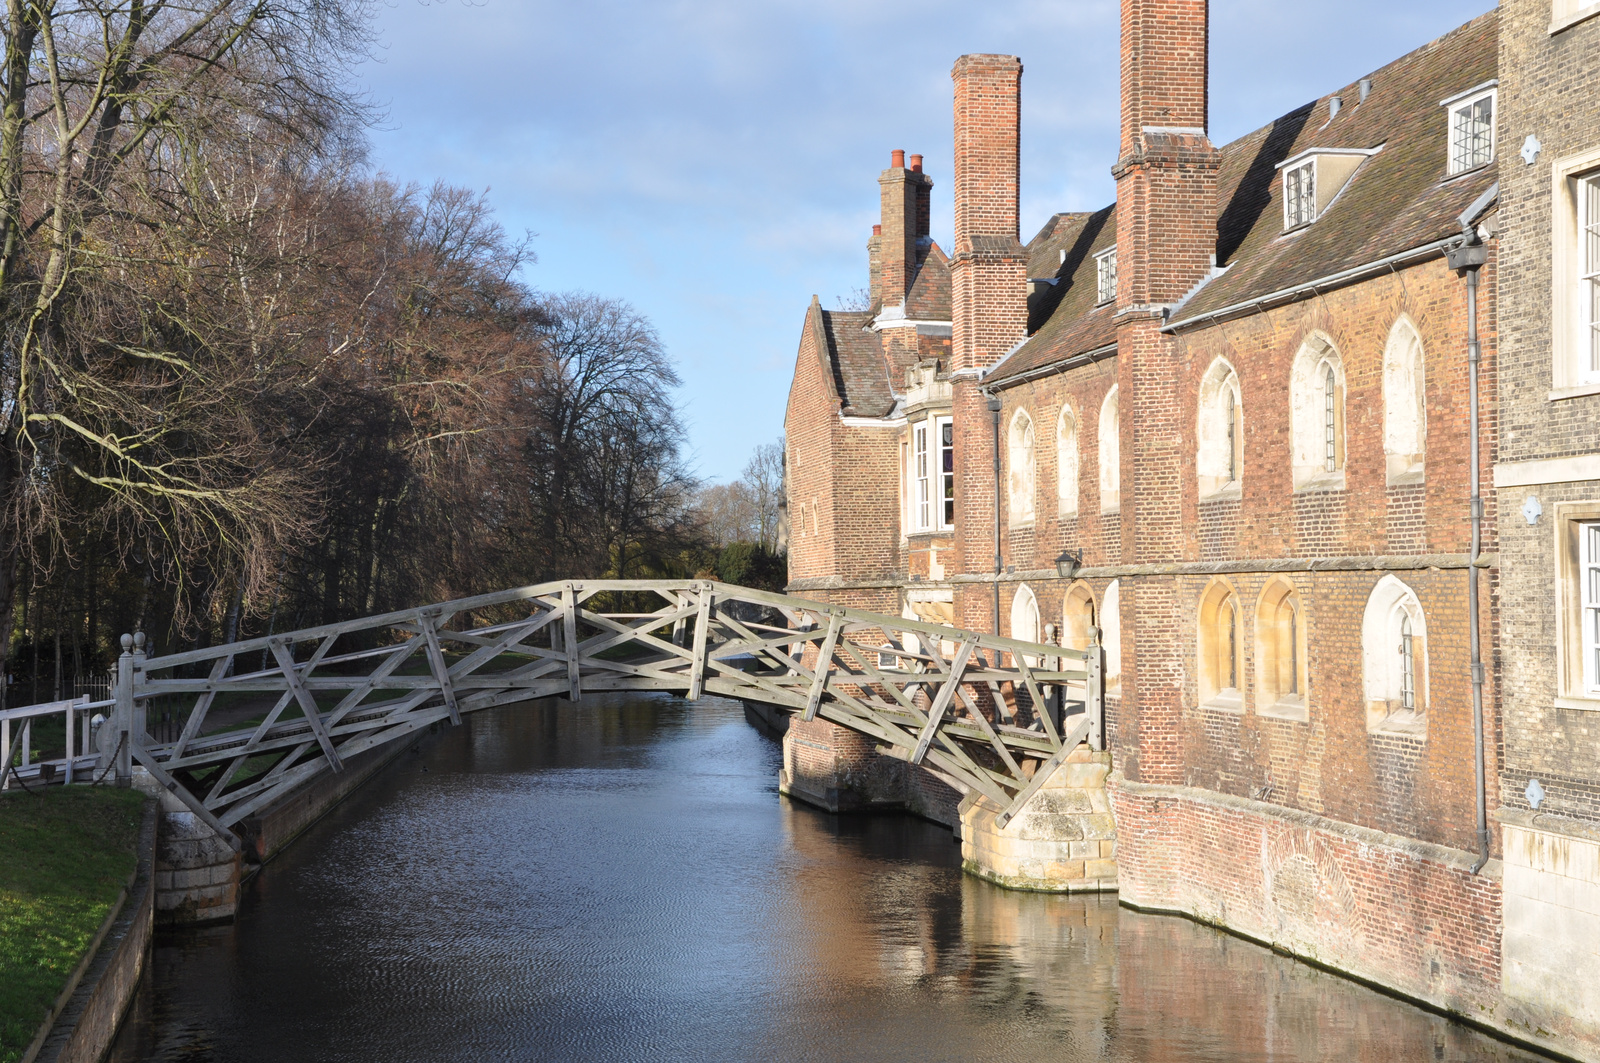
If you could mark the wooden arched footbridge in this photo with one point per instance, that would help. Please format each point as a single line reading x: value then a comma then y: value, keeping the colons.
x: 232, y: 729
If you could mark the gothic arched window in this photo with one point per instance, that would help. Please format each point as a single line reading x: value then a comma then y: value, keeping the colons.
x: 1110, y: 453
x: 1316, y: 395
x: 1405, y: 411
x: 1067, y: 462
x: 1021, y: 464
x: 1219, y: 431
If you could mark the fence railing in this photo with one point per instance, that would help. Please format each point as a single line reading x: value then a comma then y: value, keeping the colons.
x: 17, y: 759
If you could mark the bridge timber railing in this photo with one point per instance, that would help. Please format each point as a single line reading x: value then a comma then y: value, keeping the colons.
x: 245, y: 723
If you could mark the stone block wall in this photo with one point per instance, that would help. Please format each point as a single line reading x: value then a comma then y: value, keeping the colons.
x: 197, y: 872
x: 1064, y: 840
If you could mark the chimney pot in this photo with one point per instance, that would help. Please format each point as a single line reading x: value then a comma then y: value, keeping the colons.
x: 897, y: 159
x: 916, y: 163
x: 877, y: 230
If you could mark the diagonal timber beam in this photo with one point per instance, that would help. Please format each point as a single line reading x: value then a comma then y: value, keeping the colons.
x: 441, y: 673
x: 819, y: 679
x: 941, y: 701
x: 308, y: 704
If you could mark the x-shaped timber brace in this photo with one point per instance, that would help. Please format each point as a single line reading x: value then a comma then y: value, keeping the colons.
x: 988, y: 715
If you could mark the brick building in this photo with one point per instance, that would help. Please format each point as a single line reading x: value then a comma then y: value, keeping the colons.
x: 1227, y: 421
x: 1547, y: 485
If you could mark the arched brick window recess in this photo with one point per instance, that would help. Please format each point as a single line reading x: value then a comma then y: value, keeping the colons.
x: 1405, y: 406
x: 1111, y: 635
x: 1221, y: 648
x: 1219, y: 458
x: 1067, y: 462
x: 1394, y: 659
x: 1110, y: 446
x: 1281, y: 674
x: 1077, y: 616
x: 1021, y: 465
x: 1316, y: 394
x: 1025, y: 618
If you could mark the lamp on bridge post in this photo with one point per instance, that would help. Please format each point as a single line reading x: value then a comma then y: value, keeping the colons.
x: 1068, y: 564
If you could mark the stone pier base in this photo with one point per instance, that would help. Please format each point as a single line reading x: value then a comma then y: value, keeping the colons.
x: 841, y: 770
x: 197, y: 872
x: 1063, y: 841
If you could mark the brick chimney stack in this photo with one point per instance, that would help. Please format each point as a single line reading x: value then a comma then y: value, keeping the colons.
x: 988, y: 271
x: 1166, y: 244
x: 902, y: 246
x: 989, y: 300
x: 1167, y: 173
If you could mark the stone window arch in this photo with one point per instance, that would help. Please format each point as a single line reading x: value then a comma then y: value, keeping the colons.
x: 1078, y: 616
x: 1221, y: 647
x: 1316, y: 396
x: 1405, y: 404
x: 1111, y: 634
x: 1067, y: 462
x: 1281, y: 674
x: 1219, y: 458
x: 1021, y: 464
x: 1025, y: 618
x: 1394, y: 658
x: 1110, y: 453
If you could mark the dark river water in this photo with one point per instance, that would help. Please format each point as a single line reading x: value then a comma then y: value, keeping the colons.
x: 621, y: 881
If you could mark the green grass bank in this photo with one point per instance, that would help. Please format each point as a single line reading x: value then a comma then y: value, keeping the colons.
x: 65, y: 854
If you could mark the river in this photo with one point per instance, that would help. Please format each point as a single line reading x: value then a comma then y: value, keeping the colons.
x: 621, y: 881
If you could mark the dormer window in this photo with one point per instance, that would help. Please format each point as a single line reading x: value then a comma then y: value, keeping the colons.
x: 1105, y: 276
x: 1471, y: 128
x: 1300, y: 194
x: 1313, y: 179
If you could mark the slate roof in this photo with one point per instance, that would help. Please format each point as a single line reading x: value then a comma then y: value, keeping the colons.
x: 1399, y: 199
x: 855, y: 360
x: 929, y: 297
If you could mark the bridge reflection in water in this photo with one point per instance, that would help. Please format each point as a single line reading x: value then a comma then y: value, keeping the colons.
x: 621, y: 881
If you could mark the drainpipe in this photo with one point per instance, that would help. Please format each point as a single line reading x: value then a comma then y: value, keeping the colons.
x: 1467, y: 258
x: 994, y: 419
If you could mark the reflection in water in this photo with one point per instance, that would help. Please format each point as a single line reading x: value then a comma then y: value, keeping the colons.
x: 621, y: 881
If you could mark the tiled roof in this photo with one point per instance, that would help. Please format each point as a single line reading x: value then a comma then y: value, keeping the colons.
x: 929, y: 298
x: 855, y: 360
x: 1399, y: 199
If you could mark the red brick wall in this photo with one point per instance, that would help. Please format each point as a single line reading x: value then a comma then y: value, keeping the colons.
x: 1398, y: 914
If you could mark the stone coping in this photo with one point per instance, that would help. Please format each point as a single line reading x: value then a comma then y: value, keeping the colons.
x: 60, y: 1037
x: 1457, y: 859
x: 1550, y: 823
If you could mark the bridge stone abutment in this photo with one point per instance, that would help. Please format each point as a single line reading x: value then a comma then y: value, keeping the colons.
x: 1064, y: 840
x: 197, y: 871
x: 840, y: 770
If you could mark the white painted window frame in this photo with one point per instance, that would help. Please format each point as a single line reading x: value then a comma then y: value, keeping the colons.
x: 1105, y: 276
x: 921, y: 480
x: 946, y: 478
x: 1459, y: 103
x: 1589, y: 604
x: 1300, y: 196
x: 1587, y: 279
x: 1575, y: 368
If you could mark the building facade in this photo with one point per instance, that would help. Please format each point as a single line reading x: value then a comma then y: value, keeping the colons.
x: 1547, y: 483
x: 1252, y: 428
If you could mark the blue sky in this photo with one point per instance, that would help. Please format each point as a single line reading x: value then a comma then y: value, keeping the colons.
x: 714, y: 162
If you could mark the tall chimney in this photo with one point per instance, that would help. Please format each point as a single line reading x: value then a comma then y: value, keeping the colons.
x: 1167, y: 173
x: 902, y: 191
x: 1166, y: 243
x: 989, y: 304
x: 988, y: 271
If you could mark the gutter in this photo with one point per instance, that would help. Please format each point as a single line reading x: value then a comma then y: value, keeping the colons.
x: 1076, y: 361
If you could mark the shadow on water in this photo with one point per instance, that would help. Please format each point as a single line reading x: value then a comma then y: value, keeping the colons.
x: 620, y: 881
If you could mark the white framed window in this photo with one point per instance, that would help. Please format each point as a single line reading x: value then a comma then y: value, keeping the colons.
x: 932, y: 477
x: 922, y: 478
x: 1575, y: 275
x: 1105, y: 276
x: 1589, y: 604
x: 1471, y: 129
x: 1300, y: 194
x: 1588, y: 203
x: 947, y: 472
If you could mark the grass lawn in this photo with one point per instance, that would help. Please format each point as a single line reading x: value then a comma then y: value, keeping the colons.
x: 63, y: 858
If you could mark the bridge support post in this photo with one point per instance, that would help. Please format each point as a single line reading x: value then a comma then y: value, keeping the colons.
x: 1094, y: 701
x: 118, y: 743
x: 1064, y: 840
